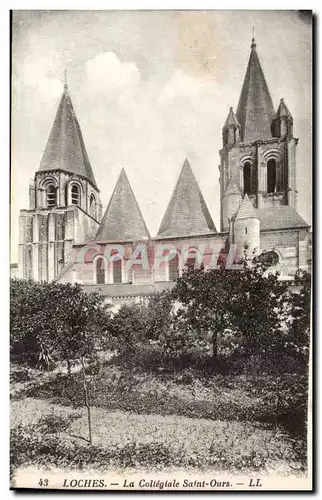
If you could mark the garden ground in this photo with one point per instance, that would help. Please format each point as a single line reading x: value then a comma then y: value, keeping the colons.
x: 158, y: 420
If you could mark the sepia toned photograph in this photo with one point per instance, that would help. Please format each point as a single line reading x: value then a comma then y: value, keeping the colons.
x: 161, y: 250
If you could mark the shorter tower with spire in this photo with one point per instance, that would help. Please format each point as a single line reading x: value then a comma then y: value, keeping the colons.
x: 64, y: 200
x: 246, y: 230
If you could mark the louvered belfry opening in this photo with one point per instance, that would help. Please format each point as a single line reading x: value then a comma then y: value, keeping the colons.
x: 75, y: 195
x: 51, y: 196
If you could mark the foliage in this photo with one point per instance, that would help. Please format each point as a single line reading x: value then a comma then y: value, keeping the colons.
x: 126, y: 327
x: 234, y: 446
x: 158, y: 315
x: 54, y: 319
x: 299, y: 332
x: 266, y: 398
x: 133, y: 324
x: 248, y: 300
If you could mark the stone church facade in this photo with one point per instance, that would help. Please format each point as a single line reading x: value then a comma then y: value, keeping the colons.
x: 64, y: 237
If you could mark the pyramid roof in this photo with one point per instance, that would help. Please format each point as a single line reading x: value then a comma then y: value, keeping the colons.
x: 232, y: 188
x: 123, y: 220
x: 246, y: 210
x: 255, y: 110
x: 65, y: 149
x: 283, y: 110
x: 187, y: 213
x: 231, y: 119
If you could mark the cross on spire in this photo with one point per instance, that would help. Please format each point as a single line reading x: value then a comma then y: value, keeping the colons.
x: 253, y: 45
x: 65, y: 78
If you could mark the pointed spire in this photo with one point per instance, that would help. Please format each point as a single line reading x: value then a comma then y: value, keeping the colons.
x: 253, y: 45
x: 187, y: 213
x: 283, y: 110
x: 123, y: 219
x: 231, y: 119
x: 255, y: 110
x: 65, y: 149
x: 246, y: 210
x: 232, y: 188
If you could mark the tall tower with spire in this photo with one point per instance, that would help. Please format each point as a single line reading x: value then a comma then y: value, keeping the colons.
x: 258, y: 153
x: 64, y: 202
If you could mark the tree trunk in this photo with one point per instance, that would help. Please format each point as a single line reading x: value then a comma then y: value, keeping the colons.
x: 69, y: 368
x: 214, y: 351
x: 87, y: 403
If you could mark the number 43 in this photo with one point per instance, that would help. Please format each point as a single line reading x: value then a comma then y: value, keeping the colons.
x: 43, y: 482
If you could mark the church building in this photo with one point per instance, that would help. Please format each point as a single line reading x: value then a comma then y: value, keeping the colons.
x: 64, y: 237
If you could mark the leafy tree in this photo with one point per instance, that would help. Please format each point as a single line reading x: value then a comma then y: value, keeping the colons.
x: 249, y: 300
x: 58, y: 318
x: 28, y: 319
x: 126, y: 327
x: 157, y: 315
x: 299, y: 333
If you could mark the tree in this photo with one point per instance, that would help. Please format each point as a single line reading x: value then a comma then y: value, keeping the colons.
x: 81, y: 320
x: 58, y: 318
x: 299, y: 333
x: 248, y: 300
x: 28, y: 320
x: 156, y: 315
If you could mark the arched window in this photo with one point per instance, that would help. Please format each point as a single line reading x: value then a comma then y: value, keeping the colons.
x: 75, y: 194
x: 174, y: 268
x: 92, y: 206
x: 100, y: 271
x: 51, y: 196
x: 117, y: 271
x: 247, y: 177
x: 189, y: 258
x: 271, y: 175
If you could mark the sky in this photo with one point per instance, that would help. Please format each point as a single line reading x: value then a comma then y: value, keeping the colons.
x: 151, y: 88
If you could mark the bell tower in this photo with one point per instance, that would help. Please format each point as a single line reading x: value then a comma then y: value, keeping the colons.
x: 64, y: 202
x: 259, y: 151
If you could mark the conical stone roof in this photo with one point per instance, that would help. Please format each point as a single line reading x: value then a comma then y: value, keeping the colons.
x: 65, y: 149
x: 246, y: 210
x: 283, y: 110
x: 255, y: 110
x: 232, y: 188
x: 231, y: 120
x: 122, y: 220
x: 187, y: 213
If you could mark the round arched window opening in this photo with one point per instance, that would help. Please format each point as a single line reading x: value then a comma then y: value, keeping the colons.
x: 247, y: 177
x: 100, y: 271
x: 271, y: 175
x: 92, y: 206
x: 51, y: 194
x: 75, y: 195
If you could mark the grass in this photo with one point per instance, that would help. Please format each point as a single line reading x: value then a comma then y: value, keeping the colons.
x: 182, y: 420
x: 267, y: 399
x: 57, y: 435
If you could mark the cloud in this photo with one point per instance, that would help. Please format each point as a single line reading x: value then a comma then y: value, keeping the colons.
x: 106, y: 73
x: 38, y: 70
